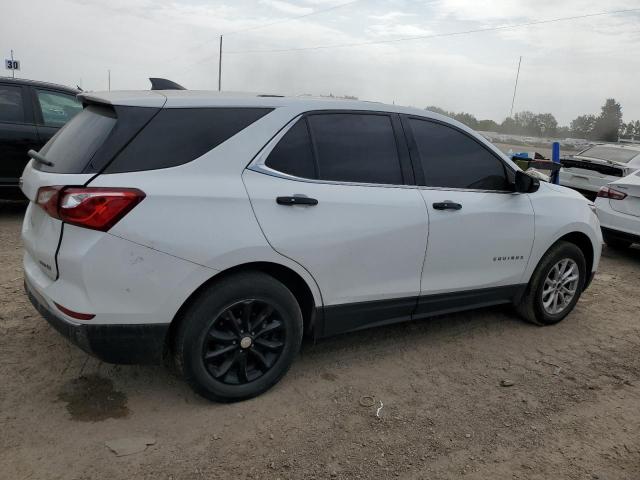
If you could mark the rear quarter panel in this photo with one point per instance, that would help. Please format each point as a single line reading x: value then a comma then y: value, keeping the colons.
x: 200, y: 211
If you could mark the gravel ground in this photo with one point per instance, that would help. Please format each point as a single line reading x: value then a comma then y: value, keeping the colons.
x: 572, y: 411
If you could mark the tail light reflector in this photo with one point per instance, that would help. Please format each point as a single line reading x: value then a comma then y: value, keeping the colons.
x: 72, y: 314
x: 97, y: 208
x: 606, y: 192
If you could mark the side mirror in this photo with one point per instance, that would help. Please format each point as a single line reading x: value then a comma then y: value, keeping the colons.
x: 525, y: 183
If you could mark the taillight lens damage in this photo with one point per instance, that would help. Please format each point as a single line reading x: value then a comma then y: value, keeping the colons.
x: 607, y: 192
x: 97, y: 208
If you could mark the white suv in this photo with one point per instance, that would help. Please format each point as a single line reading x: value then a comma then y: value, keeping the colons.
x: 217, y: 229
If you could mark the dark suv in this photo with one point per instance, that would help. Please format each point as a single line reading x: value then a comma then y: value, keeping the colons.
x: 31, y: 113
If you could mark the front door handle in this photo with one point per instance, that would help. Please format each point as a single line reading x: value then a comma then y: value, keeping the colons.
x: 296, y: 200
x: 447, y: 205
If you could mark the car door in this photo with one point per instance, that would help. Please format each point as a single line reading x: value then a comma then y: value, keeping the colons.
x: 18, y: 132
x: 330, y: 192
x: 53, y: 109
x: 480, y: 231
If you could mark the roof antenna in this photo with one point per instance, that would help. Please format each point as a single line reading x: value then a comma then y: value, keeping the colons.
x: 164, y: 84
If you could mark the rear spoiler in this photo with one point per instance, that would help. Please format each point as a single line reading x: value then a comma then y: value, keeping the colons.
x: 164, y: 84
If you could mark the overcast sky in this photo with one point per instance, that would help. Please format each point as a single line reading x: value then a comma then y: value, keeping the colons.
x: 568, y: 68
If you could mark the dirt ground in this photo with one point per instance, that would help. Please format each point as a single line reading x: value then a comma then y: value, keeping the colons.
x: 573, y: 411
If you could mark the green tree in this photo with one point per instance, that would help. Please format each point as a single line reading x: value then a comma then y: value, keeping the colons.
x: 488, y: 126
x: 583, y: 126
x: 439, y: 110
x: 547, y: 124
x: 466, y: 118
x: 609, y: 122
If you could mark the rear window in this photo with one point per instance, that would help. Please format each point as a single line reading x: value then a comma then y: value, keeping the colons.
x: 611, y: 154
x: 176, y: 136
x: 71, y: 148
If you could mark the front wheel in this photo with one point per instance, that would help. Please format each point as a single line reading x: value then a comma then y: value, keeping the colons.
x: 555, y: 286
x: 240, y: 337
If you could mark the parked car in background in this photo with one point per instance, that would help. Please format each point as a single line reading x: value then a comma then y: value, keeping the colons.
x: 216, y: 229
x: 591, y: 169
x: 31, y: 113
x: 618, y: 208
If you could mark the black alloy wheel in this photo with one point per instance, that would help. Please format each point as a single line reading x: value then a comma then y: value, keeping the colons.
x: 244, y: 342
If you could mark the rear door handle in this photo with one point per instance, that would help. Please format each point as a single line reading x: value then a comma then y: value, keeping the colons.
x: 296, y: 200
x: 447, y: 205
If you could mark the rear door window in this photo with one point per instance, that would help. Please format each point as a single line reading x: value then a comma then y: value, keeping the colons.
x: 11, y: 104
x: 452, y: 159
x: 176, y: 136
x: 354, y: 147
x: 293, y: 154
x: 72, y: 147
x: 57, y: 108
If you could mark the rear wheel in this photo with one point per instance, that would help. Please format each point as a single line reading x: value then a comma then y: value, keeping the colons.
x: 240, y: 337
x: 555, y: 286
x: 616, y: 243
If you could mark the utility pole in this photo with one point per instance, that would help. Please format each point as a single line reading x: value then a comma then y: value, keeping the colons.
x: 13, y: 70
x: 220, y: 66
x: 515, y: 88
x: 109, y: 79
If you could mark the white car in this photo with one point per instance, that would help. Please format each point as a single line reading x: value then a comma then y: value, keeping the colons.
x: 217, y: 229
x: 618, y: 208
x: 591, y: 169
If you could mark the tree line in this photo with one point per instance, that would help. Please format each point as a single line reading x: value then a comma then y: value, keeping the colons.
x: 607, y: 126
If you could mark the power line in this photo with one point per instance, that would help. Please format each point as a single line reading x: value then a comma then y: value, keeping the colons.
x: 277, y: 22
x: 436, y: 35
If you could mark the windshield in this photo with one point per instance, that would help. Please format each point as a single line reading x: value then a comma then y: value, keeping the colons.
x: 611, y: 154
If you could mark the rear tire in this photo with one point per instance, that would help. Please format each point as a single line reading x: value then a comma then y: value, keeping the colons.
x: 616, y: 243
x: 553, y: 280
x: 239, y: 338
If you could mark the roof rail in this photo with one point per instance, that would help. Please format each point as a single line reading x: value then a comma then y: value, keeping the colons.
x: 164, y: 84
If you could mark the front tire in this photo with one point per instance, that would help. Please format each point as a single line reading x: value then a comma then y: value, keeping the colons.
x: 555, y: 286
x: 239, y: 337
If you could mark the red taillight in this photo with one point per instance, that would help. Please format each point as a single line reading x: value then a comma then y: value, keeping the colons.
x: 72, y: 314
x: 606, y: 192
x: 48, y: 198
x: 98, y: 208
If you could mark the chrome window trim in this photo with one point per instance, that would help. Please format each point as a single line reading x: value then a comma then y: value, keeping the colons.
x: 258, y: 165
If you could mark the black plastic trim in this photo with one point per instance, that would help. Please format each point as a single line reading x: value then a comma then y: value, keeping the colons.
x: 113, y: 343
x: 442, y: 303
x: 617, y: 234
x: 349, y: 317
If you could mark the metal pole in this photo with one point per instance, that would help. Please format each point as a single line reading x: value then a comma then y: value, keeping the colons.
x: 13, y: 70
x: 109, y: 79
x: 515, y: 88
x: 555, y: 156
x: 220, y: 66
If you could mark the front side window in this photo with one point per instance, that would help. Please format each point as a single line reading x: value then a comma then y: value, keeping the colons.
x: 452, y: 159
x: 354, y: 147
x: 11, y: 106
x: 57, y: 108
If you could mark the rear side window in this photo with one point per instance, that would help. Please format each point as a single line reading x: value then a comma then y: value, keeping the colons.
x: 452, y: 159
x: 176, y: 136
x: 57, y: 108
x: 293, y: 154
x: 11, y: 106
x: 71, y: 148
x: 354, y: 147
